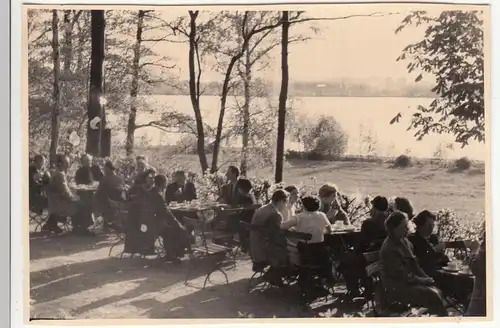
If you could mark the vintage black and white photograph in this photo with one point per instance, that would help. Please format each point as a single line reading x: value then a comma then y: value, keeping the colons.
x: 238, y: 162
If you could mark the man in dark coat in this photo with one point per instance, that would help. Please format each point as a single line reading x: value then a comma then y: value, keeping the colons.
x: 229, y: 191
x: 174, y: 234
x: 88, y: 174
x: 180, y: 190
x: 38, y: 179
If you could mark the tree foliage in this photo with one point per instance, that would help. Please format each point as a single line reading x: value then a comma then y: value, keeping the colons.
x: 325, y: 137
x: 452, y: 52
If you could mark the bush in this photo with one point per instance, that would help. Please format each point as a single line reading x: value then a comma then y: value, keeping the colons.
x: 315, y: 156
x: 463, y: 164
x: 326, y: 137
x: 403, y: 161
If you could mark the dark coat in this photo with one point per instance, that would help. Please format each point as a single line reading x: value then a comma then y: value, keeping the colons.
x: 88, y: 175
x: 37, y: 198
x: 228, y: 194
x: 372, y: 234
x: 268, y: 244
x: 187, y: 194
x: 174, y: 234
x: 428, y: 258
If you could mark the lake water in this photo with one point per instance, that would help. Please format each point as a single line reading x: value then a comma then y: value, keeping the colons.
x: 357, y: 116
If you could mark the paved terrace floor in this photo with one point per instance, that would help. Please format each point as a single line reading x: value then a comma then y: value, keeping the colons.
x: 74, y: 278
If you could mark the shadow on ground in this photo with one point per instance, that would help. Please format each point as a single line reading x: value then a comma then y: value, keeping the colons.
x: 227, y: 301
x: 43, y: 245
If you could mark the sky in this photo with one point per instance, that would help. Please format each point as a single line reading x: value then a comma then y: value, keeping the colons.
x: 359, y: 48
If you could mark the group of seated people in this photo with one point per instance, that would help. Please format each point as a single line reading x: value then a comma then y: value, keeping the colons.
x: 410, y: 261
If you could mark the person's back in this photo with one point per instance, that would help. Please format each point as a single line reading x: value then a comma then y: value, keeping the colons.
x: 313, y: 223
x: 264, y: 237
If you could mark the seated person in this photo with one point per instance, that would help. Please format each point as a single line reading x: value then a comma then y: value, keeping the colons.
x: 63, y: 203
x: 174, y: 235
x: 38, y: 179
x: 477, y: 304
x: 243, y: 198
x: 135, y: 240
x: 141, y: 166
x: 87, y: 174
x: 180, y: 190
x: 404, y: 205
x: 328, y: 194
x: 293, y: 199
x: 404, y: 280
x: 429, y: 253
x: 316, y: 224
x: 228, y: 191
x: 372, y: 234
x: 373, y: 229
x: 110, y: 187
x: 268, y: 244
x: 142, y: 184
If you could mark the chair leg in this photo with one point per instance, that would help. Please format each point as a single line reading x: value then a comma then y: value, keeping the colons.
x: 192, y: 265
x: 254, y: 276
x: 217, y: 268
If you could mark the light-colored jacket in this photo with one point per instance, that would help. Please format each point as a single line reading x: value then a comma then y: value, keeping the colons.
x: 60, y: 197
x: 268, y: 244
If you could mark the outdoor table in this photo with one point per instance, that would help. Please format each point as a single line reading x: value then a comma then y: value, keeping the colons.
x: 340, y: 240
x: 84, y: 210
x: 456, y: 284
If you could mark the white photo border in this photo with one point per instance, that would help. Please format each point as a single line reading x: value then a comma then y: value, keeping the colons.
x: 14, y: 173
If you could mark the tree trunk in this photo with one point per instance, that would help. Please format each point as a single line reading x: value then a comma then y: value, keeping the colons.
x: 81, y: 43
x: 96, y: 78
x: 246, y: 113
x: 280, y: 141
x: 194, y: 91
x: 134, y: 90
x: 224, y: 93
x: 56, y: 94
x: 222, y: 112
x: 68, y: 42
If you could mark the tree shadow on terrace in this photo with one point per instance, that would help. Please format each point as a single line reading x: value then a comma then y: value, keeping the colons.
x: 43, y: 245
x: 229, y: 301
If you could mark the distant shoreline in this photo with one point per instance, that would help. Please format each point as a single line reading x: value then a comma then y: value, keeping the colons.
x: 300, y: 96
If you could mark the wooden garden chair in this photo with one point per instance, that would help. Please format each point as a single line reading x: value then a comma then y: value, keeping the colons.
x: 204, y: 249
x: 120, y: 214
x: 378, y: 299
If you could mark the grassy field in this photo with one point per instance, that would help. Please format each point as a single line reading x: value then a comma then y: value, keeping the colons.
x: 430, y: 183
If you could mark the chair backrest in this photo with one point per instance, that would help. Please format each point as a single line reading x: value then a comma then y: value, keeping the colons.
x: 300, y: 236
x: 374, y: 269
x: 371, y: 257
x: 459, y: 247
